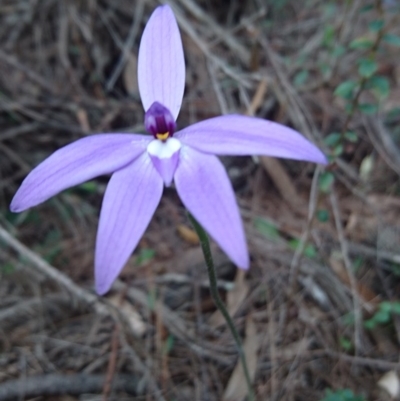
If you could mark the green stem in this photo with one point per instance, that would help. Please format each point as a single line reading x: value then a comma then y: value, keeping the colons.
x: 205, y: 245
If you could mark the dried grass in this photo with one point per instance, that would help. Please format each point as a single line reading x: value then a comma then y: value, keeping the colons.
x: 67, y: 70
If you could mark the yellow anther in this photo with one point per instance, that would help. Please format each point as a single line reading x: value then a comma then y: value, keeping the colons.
x: 163, y: 136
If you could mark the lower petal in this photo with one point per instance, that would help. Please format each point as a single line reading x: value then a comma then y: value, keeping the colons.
x: 205, y: 190
x: 131, y: 198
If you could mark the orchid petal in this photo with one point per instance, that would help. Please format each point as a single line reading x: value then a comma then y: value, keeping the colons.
x: 78, y: 162
x: 161, y: 64
x: 165, y: 157
x: 205, y: 190
x: 241, y: 135
x: 131, y: 198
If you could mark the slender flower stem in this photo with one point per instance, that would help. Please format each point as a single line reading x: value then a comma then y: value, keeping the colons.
x: 205, y: 245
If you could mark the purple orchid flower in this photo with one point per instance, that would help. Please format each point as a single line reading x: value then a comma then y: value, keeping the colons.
x: 142, y: 164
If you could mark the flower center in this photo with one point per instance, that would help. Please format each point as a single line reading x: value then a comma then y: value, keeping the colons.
x: 165, y: 149
x: 163, y: 137
x: 165, y: 157
x: 159, y: 121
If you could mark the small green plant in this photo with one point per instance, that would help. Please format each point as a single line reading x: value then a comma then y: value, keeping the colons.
x: 345, y: 344
x: 266, y: 228
x: 144, y: 256
x: 322, y: 215
x: 168, y: 344
x: 342, y: 395
x: 7, y: 268
x: 325, y: 181
x: 383, y: 315
x: 309, y: 250
x: 364, y: 91
x: 271, y: 232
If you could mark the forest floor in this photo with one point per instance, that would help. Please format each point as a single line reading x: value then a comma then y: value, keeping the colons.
x: 319, y: 309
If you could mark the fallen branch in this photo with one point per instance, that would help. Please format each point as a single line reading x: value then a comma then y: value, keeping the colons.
x: 59, y: 384
x: 51, y: 272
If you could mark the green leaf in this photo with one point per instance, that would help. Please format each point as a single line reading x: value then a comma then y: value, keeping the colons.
x: 345, y: 343
x: 376, y: 25
x: 358, y: 261
x: 338, y: 150
x: 379, y: 86
x: 367, y: 67
x: 391, y: 39
x: 385, y: 306
x: 90, y: 186
x: 382, y: 317
x: 325, y: 181
x: 309, y: 249
x: 396, y: 307
x: 145, y: 255
x: 370, y: 324
x: 338, y: 51
x: 366, y: 8
x: 393, y: 114
x: 368, y: 108
x: 345, y: 89
x: 329, y: 36
x: 300, y: 78
x: 324, y: 68
x: 351, y: 136
x: 332, y: 139
x: 168, y: 344
x: 7, y: 268
x: 361, y: 43
x: 342, y: 395
x: 266, y: 228
x: 323, y: 215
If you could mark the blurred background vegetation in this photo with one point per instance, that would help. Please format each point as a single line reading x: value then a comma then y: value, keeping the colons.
x: 319, y: 310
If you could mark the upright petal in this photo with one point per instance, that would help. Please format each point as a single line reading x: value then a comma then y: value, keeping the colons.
x: 78, y: 162
x: 161, y: 64
x: 241, y: 135
x: 131, y: 198
x: 204, y: 187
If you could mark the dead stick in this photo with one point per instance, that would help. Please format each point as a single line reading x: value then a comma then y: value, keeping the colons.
x: 61, y: 384
x: 112, y: 363
x: 51, y: 272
